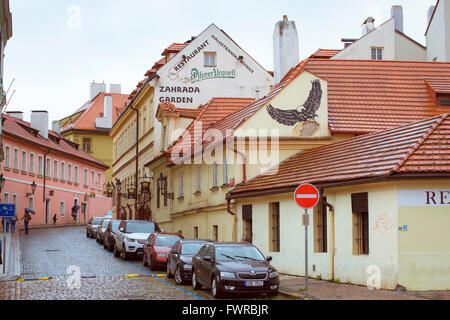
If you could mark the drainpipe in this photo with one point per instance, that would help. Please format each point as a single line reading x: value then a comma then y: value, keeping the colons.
x: 137, y: 161
x: 45, y: 174
x: 331, y: 242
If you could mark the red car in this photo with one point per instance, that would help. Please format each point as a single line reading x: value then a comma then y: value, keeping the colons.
x: 157, y: 247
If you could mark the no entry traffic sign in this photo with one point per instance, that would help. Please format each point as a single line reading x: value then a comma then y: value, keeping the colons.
x: 306, y: 196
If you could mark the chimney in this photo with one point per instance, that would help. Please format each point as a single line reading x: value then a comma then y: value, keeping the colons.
x: 397, y: 14
x: 96, y: 88
x: 39, y: 121
x: 367, y: 26
x: 56, y: 126
x: 430, y: 14
x: 285, y: 48
x: 106, y: 120
x: 115, y: 88
x: 15, y: 114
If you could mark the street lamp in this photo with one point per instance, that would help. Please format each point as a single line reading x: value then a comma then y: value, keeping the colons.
x: 33, y: 188
x: 161, y: 181
x: 118, y: 185
x: 131, y: 192
x: 145, y: 186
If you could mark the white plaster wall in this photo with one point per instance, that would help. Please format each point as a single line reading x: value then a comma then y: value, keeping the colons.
x: 438, y: 35
x: 407, y: 50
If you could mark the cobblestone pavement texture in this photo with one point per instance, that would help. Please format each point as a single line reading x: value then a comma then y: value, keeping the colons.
x: 49, y: 252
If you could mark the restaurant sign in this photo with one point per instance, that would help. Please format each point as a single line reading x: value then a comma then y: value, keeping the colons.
x: 423, y: 197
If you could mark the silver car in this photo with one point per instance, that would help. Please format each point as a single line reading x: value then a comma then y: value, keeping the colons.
x: 91, y: 228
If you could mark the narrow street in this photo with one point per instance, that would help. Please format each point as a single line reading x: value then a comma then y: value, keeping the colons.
x: 48, y: 253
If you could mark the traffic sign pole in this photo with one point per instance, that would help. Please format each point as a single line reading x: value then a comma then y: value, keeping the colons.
x: 306, y: 249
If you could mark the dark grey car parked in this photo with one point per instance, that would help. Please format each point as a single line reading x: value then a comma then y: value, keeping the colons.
x: 110, y: 234
x: 91, y: 227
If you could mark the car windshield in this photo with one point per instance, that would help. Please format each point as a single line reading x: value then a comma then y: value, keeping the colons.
x: 229, y: 253
x: 166, y: 240
x: 108, y: 213
x: 115, y: 224
x: 105, y: 223
x: 139, y: 227
x: 96, y: 220
x: 191, y: 248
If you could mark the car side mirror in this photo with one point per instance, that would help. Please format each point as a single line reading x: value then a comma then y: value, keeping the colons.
x: 269, y: 258
x: 207, y: 259
x: 162, y: 231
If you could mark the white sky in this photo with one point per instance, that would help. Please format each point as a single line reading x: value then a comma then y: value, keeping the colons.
x: 54, y: 56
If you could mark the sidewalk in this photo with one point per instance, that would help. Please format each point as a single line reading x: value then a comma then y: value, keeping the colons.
x: 42, y: 226
x: 326, y: 290
x: 12, y: 256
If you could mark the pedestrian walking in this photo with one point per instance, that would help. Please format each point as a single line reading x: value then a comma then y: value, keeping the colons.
x: 54, y: 219
x: 7, y: 224
x: 26, y: 220
x: 13, y: 224
x: 75, y: 213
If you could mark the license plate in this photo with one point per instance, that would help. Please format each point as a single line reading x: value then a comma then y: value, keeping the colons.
x: 254, y: 283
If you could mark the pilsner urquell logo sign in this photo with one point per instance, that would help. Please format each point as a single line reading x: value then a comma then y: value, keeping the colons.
x: 197, y: 75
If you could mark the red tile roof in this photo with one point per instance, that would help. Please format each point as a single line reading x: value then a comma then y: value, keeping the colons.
x: 174, y: 48
x: 183, y: 112
x: 22, y: 130
x: 92, y: 109
x: 324, y: 53
x: 420, y: 147
x: 441, y: 86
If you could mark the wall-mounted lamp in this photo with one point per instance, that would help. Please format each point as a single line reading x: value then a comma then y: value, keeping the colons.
x: 161, y: 181
x: 33, y: 188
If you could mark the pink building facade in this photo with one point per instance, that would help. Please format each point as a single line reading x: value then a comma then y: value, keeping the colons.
x: 64, y: 175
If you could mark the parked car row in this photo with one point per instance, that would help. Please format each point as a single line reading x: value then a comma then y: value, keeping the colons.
x: 224, y: 267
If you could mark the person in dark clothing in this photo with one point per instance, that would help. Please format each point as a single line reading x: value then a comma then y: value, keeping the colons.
x: 75, y: 213
x: 54, y: 219
x: 26, y: 220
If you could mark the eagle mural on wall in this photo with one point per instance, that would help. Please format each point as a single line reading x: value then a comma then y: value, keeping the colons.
x: 303, y: 118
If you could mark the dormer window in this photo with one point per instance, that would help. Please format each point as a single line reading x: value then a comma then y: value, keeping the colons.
x: 377, y: 53
x: 444, y: 101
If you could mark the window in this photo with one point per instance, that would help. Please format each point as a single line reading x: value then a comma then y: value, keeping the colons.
x: 99, y: 180
x: 320, y: 227
x: 16, y: 159
x: 62, y: 208
x: 274, y: 227
x: 62, y: 176
x: 40, y: 165
x: 215, y: 232
x: 69, y: 172
x: 55, y: 169
x: 360, y: 209
x: 225, y: 171
x: 198, y: 180
x: 163, y: 137
x: 14, y: 199
x: 7, y: 157
x: 165, y: 192
x: 87, y: 144
x: 247, y: 223
x: 210, y: 59
x: 214, y: 174
x: 24, y: 161
x: 181, y: 186
x: 32, y: 163
x: 31, y: 202
x: 158, y: 196
x: 48, y: 167
x: 86, y: 182
x: 144, y: 121
x: 377, y: 53
x: 93, y: 179
x: 6, y: 197
x: 76, y: 179
x: 195, y: 232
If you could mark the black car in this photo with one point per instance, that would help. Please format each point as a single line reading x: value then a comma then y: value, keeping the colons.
x: 179, y: 259
x: 110, y: 236
x: 233, y: 268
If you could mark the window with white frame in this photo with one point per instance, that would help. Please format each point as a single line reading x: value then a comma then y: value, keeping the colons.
x: 225, y: 171
x: 48, y: 167
x: 16, y: 159
x: 6, y: 197
x: 76, y: 178
x: 214, y: 174
x: 24, y: 161
x: 69, y: 172
x: 62, y: 208
x: 40, y: 165
x: 31, y: 168
x: 55, y: 169
x: 62, y: 176
x: 93, y: 179
x: 7, y: 157
x: 31, y: 202
x: 14, y: 199
x: 210, y: 59
x: 99, y: 180
x: 377, y: 53
x: 181, y: 186
x: 198, y: 180
x: 86, y: 182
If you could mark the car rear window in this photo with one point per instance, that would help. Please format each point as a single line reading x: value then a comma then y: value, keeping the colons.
x: 166, y: 240
x: 96, y: 220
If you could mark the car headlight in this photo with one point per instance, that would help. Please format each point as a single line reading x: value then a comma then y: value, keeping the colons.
x: 273, y: 274
x: 130, y: 240
x: 162, y: 254
x: 187, y: 267
x: 228, y: 275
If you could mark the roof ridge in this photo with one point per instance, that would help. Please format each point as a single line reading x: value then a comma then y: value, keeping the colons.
x: 420, y: 142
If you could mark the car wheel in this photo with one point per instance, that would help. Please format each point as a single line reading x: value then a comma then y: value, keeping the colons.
x: 124, y: 254
x: 195, y: 284
x: 87, y: 233
x: 144, y: 260
x: 216, y: 290
x: 272, y: 294
x: 104, y: 245
x: 116, y: 252
x: 96, y: 239
x: 168, y: 274
x: 178, y: 278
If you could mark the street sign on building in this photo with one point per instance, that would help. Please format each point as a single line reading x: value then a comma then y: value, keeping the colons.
x: 7, y: 210
x: 306, y: 196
